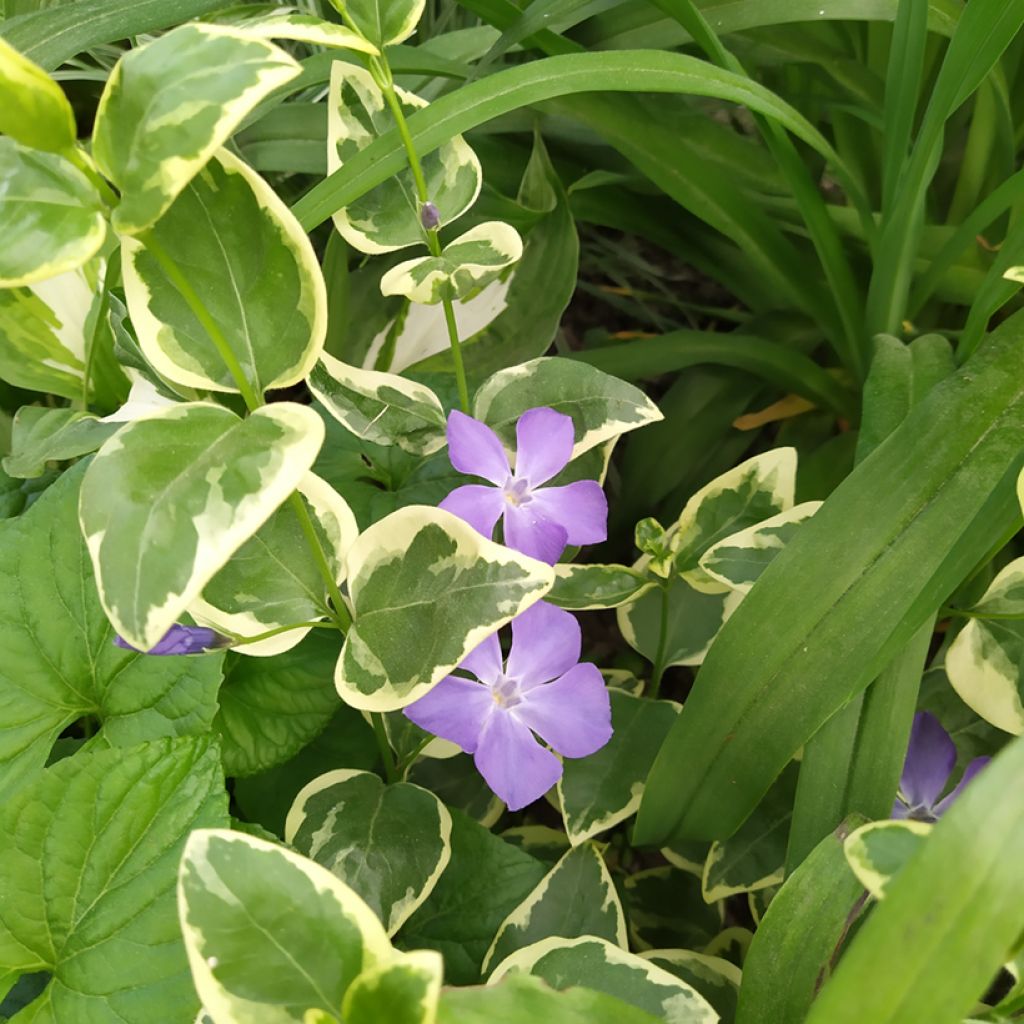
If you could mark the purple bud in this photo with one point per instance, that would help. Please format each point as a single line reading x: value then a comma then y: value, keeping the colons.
x: 181, y: 639
x: 430, y: 216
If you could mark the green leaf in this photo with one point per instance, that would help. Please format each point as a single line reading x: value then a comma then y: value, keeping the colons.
x: 423, y: 572
x: 388, y: 217
x: 596, y: 964
x: 739, y: 560
x: 588, y: 587
x: 42, y: 435
x: 717, y: 980
x: 45, y: 331
x: 270, y: 960
x: 382, y: 408
x: 796, y: 942
x: 60, y: 662
x: 262, y: 22
x: 576, y: 897
x: 389, y: 843
x: 949, y: 920
x: 519, y: 999
x: 383, y: 22
x: 598, y: 792
x: 403, y: 991
x: 456, y: 781
x: 274, y: 579
x: 805, y: 640
x: 465, y: 264
x: 270, y: 708
x: 162, y: 114
x: 602, y: 407
x: 753, y: 857
x: 35, y: 112
x: 228, y: 235
x: 666, y: 908
x: 169, y: 498
x: 53, y: 217
x: 876, y: 852
x: 984, y: 661
x: 89, y: 858
x: 486, y: 879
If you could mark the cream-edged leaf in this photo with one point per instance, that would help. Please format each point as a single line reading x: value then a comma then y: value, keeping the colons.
x: 422, y: 572
x: 270, y: 960
x: 389, y: 843
x: 665, y: 907
x: 263, y: 22
x: 715, y: 978
x: 403, y: 991
x: 576, y: 897
x: 273, y: 579
x: 249, y: 263
x: 878, y: 851
x: 383, y: 22
x: 601, y: 406
x: 169, y: 499
x: 52, y: 216
x: 597, y: 964
x: 388, y: 216
x: 41, y: 435
x: 591, y: 586
x: 170, y: 105
x: 465, y: 264
x: 383, y: 408
x: 34, y: 112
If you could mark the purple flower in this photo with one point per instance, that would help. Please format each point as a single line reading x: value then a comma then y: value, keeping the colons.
x: 538, y: 521
x: 430, y: 216
x: 181, y: 639
x: 540, y: 689
x: 931, y: 757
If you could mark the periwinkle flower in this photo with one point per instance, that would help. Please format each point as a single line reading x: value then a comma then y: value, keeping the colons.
x: 538, y: 521
x: 542, y: 688
x: 430, y: 216
x: 931, y: 757
x: 181, y: 639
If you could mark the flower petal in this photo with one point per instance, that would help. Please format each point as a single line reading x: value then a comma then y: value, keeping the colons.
x: 969, y: 772
x: 580, y: 507
x: 474, y: 448
x: 900, y: 810
x: 533, y: 534
x: 544, y: 440
x: 513, y: 763
x: 484, y: 661
x: 573, y: 714
x: 931, y: 755
x: 181, y: 639
x: 476, y: 504
x: 545, y: 644
x: 456, y: 709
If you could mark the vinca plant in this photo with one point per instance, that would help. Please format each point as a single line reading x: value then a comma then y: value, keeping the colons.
x: 511, y: 512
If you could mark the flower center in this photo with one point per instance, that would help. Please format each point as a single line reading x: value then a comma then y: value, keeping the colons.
x: 921, y: 812
x: 505, y: 692
x: 516, y: 492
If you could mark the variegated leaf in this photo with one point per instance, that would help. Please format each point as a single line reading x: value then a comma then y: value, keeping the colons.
x: 602, y: 407
x: 252, y: 267
x: 389, y: 843
x: 169, y: 499
x: 599, y: 791
x: 456, y: 781
x: 665, y: 907
x: 52, y: 215
x: 263, y: 960
x: 596, y: 964
x: 878, y: 851
x: 984, y: 661
x: 40, y: 435
x: 576, y: 897
x: 405, y: 990
x: 588, y: 587
x: 170, y: 105
x: 274, y: 579
x: 383, y: 22
x: 739, y: 560
x: 34, y: 112
x: 466, y: 264
x: 45, y: 330
x: 717, y: 980
x: 263, y: 22
x: 383, y: 408
x: 388, y: 217
x: 421, y: 572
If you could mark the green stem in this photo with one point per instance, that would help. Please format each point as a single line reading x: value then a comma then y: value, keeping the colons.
x: 341, y: 612
x: 407, y: 762
x: 79, y: 159
x: 659, y: 659
x: 90, y: 353
x: 239, y: 639
x: 386, y: 754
